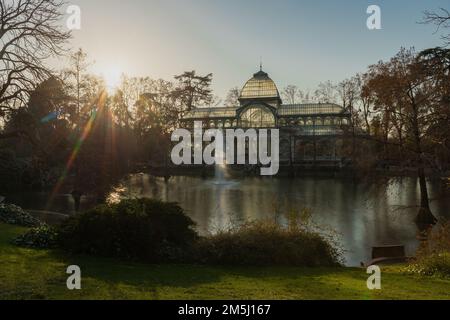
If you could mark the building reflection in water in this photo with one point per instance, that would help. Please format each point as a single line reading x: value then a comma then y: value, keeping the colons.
x: 363, y: 215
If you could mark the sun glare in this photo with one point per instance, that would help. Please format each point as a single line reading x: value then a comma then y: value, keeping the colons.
x: 112, y: 79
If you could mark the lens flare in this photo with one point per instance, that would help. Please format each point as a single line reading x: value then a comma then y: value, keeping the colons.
x: 76, y: 150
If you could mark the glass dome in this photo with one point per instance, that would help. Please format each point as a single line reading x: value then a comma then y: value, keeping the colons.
x: 260, y: 86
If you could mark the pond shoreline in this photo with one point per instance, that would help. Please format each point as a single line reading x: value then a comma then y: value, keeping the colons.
x: 308, y: 170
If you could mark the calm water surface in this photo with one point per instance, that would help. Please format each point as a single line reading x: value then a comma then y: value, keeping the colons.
x: 364, y: 215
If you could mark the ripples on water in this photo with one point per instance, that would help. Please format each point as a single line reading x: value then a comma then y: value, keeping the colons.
x: 363, y: 214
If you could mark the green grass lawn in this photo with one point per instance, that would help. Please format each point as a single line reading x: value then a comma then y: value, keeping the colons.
x: 40, y: 274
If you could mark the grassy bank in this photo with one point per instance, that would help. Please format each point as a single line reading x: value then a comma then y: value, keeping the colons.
x: 40, y: 274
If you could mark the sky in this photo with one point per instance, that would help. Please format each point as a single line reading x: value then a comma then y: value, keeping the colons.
x: 301, y: 42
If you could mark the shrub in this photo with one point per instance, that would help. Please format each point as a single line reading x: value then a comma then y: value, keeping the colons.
x: 11, y: 170
x: 268, y: 243
x: 434, y: 265
x: 42, y: 237
x: 143, y: 229
x: 154, y: 231
x: 433, y: 256
x: 13, y: 214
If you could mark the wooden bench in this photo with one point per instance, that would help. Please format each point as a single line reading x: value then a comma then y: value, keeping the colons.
x: 389, y: 254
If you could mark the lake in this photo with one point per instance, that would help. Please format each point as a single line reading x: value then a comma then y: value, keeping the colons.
x: 363, y: 214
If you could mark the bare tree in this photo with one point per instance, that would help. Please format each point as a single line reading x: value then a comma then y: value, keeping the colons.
x: 440, y: 19
x: 30, y: 33
x: 366, y: 98
x: 326, y: 92
x: 347, y: 91
x: 215, y: 101
x: 290, y: 94
x: 305, y: 96
x: 78, y: 72
x: 232, y: 98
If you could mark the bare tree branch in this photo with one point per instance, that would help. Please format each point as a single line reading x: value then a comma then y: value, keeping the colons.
x: 440, y: 19
x: 30, y: 33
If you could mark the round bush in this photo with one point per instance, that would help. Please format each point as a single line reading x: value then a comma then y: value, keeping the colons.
x: 143, y: 229
x: 42, y: 237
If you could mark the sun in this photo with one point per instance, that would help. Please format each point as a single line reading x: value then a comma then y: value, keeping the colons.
x: 112, y: 79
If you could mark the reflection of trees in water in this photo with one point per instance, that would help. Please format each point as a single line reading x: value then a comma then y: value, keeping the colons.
x: 363, y: 212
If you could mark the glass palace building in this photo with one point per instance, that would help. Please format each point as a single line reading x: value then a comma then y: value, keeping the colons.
x: 309, y: 133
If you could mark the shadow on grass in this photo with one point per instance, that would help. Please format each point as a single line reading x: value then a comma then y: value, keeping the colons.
x: 186, y: 275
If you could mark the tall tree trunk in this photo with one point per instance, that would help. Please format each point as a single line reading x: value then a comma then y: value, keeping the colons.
x: 425, y: 217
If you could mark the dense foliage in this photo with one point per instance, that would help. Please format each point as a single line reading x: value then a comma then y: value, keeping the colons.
x: 268, y: 243
x: 434, y: 265
x: 13, y: 214
x: 154, y: 231
x: 138, y: 229
x: 42, y: 237
x: 433, y: 257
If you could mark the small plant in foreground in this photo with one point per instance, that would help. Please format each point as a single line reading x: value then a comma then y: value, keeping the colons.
x: 42, y: 237
x: 433, y: 256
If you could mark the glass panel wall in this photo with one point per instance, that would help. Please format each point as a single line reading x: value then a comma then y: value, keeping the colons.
x: 257, y: 117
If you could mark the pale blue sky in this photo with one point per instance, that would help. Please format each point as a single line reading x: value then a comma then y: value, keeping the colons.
x: 301, y: 42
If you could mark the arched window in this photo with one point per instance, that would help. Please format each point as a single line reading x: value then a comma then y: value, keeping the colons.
x: 227, y: 124
x: 257, y: 117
